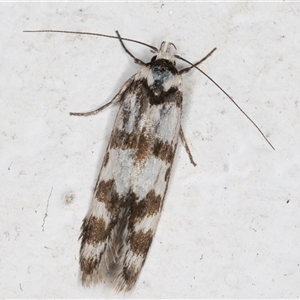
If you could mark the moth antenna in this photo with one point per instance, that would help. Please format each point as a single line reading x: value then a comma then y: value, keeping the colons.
x: 136, y: 60
x: 96, y: 34
x: 217, y: 85
x: 185, y: 70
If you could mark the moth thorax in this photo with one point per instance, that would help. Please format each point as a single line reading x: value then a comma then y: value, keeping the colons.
x: 162, y: 76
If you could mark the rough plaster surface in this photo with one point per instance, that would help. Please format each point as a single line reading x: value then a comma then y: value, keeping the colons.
x: 231, y: 225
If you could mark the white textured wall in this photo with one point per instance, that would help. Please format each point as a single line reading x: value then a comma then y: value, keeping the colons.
x: 231, y: 225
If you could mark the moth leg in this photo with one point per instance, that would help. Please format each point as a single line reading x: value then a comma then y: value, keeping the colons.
x: 91, y: 112
x: 136, y: 60
x: 185, y: 70
x: 183, y: 140
x: 116, y: 99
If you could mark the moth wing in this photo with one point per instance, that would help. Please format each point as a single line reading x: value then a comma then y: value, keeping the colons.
x: 144, y: 143
x: 100, y: 226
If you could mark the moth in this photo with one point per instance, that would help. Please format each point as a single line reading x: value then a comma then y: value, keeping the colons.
x: 121, y: 221
x: 128, y: 198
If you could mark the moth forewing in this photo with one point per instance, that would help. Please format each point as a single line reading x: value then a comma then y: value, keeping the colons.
x: 128, y: 198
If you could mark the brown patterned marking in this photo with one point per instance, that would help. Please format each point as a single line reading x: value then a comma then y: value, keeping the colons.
x: 93, y: 231
x: 143, y: 149
x: 143, y: 106
x: 123, y: 140
x: 130, y: 277
x: 87, y: 267
x: 106, y: 193
x: 167, y: 174
x: 130, y: 199
x: 106, y: 158
x: 153, y: 203
x: 139, y: 142
x: 178, y: 98
x: 143, y: 145
x: 126, y: 113
x: 163, y: 150
x: 146, y: 207
x: 140, y: 242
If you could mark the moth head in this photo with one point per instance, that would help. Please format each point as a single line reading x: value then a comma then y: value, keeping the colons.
x: 163, y: 74
x: 164, y: 52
